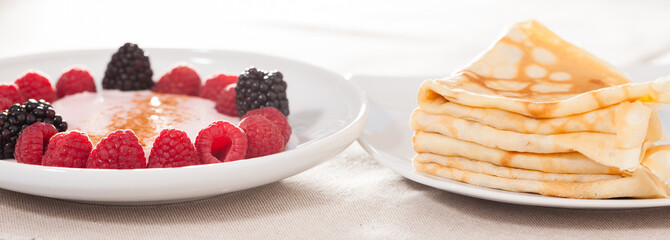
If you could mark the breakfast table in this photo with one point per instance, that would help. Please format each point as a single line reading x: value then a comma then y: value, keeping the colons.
x: 350, y: 196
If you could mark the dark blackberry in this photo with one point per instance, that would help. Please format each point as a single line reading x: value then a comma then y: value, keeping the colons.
x: 257, y: 88
x: 18, y: 117
x: 128, y: 70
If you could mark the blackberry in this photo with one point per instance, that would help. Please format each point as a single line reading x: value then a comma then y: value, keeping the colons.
x: 20, y: 116
x: 257, y: 88
x: 128, y: 70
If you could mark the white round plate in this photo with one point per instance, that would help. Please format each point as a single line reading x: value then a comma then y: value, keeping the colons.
x: 327, y: 114
x: 387, y: 138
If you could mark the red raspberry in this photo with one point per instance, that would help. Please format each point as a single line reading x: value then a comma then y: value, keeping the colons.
x: 35, y: 86
x: 68, y: 149
x: 221, y: 142
x: 264, y: 137
x: 276, y: 117
x: 32, y: 143
x: 11, y: 92
x: 180, y: 80
x: 225, y: 102
x: 172, y: 148
x: 214, y: 85
x: 119, y: 150
x: 75, y: 80
x: 5, y: 103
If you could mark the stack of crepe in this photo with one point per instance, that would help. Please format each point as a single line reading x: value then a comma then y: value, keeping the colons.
x: 537, y: 114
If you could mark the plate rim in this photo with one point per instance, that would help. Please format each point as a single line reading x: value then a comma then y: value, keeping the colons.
x: 360, y: 115
x: 347, y: 134
x: 526, y: 199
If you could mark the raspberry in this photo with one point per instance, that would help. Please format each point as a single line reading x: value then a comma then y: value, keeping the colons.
x: 180, y: 80
x: 215, y: 84
x: 172, y: 148
x: 119, y: 150
x: 275, y: 117
x: 5, y: 103
x: 221, y: 142
x: 11, y: 92
x: 35, y: 86
x: 32, y: 143
x: 225, y: 102
x: 264, y: 137
x: 129, y: 70
x: 75, y: 80
x: 70, y: 149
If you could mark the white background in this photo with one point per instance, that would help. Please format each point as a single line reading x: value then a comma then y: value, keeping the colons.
x: 376, y: 37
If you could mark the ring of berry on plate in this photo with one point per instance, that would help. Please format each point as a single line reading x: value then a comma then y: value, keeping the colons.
x: 134, y: 122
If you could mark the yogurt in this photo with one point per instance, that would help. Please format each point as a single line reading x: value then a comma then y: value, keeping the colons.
x: 144, y: 112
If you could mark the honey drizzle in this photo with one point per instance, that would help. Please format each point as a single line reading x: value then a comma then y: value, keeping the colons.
x: 146, y: 116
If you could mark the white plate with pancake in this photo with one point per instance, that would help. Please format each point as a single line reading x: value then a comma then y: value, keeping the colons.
x: 387, y: 137
x: 328, y: 113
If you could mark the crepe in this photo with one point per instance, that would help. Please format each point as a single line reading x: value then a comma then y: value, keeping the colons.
x: 537, y: 114
x: 602, y: 120
x: 657, y: 160
x: 424, y: 142
x: 642, y: 184
x: 602, y: 148
x: 442, y: 91
x: 533, y: 72
x: 474, y: 166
